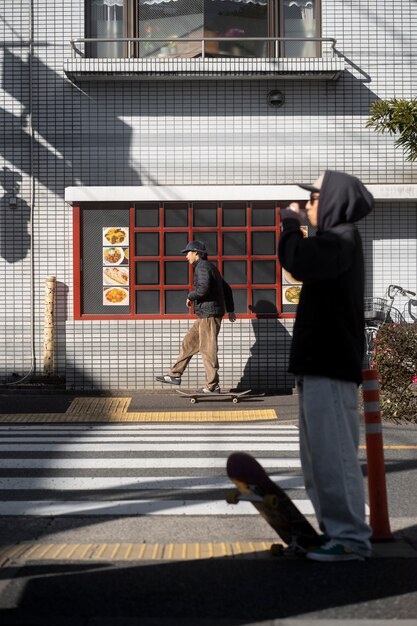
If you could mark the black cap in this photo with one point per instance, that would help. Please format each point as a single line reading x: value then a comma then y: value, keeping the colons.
x: 195, y: 246
x: 315, y: 187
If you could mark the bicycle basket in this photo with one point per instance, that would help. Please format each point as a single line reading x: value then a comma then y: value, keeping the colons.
x: 376, y: 309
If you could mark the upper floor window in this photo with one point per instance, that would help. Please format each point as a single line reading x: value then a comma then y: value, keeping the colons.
x: 168, y: 27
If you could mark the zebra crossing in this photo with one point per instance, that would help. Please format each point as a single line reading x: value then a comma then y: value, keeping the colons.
x: 138, y: 469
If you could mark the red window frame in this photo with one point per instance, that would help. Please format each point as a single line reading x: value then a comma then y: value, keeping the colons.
x: 162, y: 288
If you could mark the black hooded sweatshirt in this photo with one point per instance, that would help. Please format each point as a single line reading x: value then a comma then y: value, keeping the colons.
x: 328, y: 338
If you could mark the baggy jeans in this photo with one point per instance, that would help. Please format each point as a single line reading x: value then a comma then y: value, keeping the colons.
x: 329, y: 438
x: 202, y: 338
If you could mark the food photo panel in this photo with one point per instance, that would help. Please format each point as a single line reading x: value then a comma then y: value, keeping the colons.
x: 116, y: 276
x: 115, y: 236
x: 115, y: 296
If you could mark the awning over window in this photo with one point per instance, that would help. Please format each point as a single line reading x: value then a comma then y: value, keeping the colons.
x: 108, y: 3
x: 148, y: 2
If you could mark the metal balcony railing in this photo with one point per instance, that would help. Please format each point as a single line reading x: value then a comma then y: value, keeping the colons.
x: 275, y: 46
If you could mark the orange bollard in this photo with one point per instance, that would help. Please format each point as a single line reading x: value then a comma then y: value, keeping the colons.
x: 378, y: 504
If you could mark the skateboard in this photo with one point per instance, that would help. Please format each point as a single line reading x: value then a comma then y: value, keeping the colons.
x: 276, y: 507
x: 234, y: 395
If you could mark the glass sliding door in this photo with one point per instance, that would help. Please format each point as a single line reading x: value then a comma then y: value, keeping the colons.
x: 236, y: 19
x: 300, y: 20
x: 105, y: 19
x: 169, y: 21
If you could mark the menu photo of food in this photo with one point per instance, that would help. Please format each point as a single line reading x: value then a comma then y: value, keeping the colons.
x: 116, y: 276
x: 113, y: 256
x: 288, y: 279
x: 115, y: 296
x: 291, y: 295
x: 115, y: 236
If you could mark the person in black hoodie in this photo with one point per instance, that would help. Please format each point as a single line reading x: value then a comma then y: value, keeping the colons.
x: 326, y: 356
x: 211, y: 297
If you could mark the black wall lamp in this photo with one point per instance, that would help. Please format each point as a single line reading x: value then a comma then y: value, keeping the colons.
x: 276, y: 98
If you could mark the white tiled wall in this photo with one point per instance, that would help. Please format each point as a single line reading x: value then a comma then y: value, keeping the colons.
x: 175, y: 133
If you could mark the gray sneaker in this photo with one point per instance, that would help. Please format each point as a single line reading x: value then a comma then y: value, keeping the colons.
x: 215, y: 389
x: 171, y: 380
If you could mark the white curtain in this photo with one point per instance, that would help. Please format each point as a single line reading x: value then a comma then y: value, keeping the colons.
x: 306, y: 7
x: 108, y: 3
x: 261, y: 2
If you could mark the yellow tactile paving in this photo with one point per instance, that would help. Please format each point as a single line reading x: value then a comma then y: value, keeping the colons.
x: 99, y: 406
x: 147, y: 416
x: 131, y: 552
x: 19, y: 554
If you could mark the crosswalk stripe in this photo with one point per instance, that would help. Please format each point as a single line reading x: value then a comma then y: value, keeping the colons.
x: 132, y: 507
x: 147, y: 457
x: 143, y: 447
x: 135, y: 463
x: 142, y: 439
x: 134, y: 483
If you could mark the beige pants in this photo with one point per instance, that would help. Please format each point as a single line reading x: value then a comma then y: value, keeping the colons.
x: 202, y: 338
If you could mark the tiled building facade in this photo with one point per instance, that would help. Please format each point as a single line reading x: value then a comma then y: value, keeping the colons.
x: 115, y: 135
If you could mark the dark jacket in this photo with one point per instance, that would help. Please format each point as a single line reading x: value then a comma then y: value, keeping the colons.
x: 328, y: 338
x: 212, y: 296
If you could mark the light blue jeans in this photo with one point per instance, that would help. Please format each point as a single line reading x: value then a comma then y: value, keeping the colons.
x: 329, y: 439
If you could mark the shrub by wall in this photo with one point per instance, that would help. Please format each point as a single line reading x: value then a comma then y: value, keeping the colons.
x: 396, y: 364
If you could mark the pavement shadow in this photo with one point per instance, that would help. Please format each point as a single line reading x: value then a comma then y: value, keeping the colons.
x: 235, y: 591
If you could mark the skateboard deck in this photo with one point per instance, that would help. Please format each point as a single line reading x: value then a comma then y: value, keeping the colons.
x: 234, y: 395
x: 275, y: 506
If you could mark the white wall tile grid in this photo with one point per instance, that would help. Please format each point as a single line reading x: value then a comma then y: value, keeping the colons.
x: 184, y: 132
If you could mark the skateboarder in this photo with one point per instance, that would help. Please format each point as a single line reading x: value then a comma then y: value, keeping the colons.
x: 211, y: 297
x: 326, y: 356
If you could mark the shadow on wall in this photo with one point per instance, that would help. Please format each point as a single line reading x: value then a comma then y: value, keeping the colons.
x: 60, y: 158
x: 14, y: 218
x: 266, y: 369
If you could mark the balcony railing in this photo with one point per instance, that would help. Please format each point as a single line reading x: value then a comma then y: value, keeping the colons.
x: 205, y: 46
x: 204, y: 58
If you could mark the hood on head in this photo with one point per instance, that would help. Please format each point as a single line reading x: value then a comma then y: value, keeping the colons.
x: 343, y: 199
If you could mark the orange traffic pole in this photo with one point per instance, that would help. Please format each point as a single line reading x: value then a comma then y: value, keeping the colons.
x: 378, y: 504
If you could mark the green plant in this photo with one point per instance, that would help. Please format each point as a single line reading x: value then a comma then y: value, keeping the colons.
x: 396, y: 364
x: 397, y: 116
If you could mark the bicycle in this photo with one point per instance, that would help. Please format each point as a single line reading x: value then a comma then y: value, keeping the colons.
x: 379, y: 311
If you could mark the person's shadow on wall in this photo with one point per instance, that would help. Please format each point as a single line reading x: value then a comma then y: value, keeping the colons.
x: 14, y: 218
x: 266, y: 368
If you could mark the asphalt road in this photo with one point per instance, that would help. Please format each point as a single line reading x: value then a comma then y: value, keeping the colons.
x: 219, y: 591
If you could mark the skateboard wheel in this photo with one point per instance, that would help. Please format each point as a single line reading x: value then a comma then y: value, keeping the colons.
x: 235, y: 400
x: 232, y: 497
x: 271, y: 501
x: 276, y: 549
x: 193, y: 400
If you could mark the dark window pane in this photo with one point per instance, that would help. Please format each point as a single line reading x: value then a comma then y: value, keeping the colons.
x: 235, y: 272
x: 264, y: 302
x: 175, y: 301
x: 263, y: 214
x: 234, y: 214
x: 240, y: 298
x: 210, y: 241
x: 263, y: 243
x: 263, y: 272
x: 147, y: 302
x: 174, y: 243
x: 176, y: 272
x: 147, y: 215
x: 205, y: 214
x: 147, y: 272
x: 300, y: 21
x: 147, y: 244
x: 234, y: 20
x: 234, y: 243
x: 176, y: 216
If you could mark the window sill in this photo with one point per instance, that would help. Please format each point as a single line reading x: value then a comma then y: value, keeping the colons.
x: 81, y: 69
